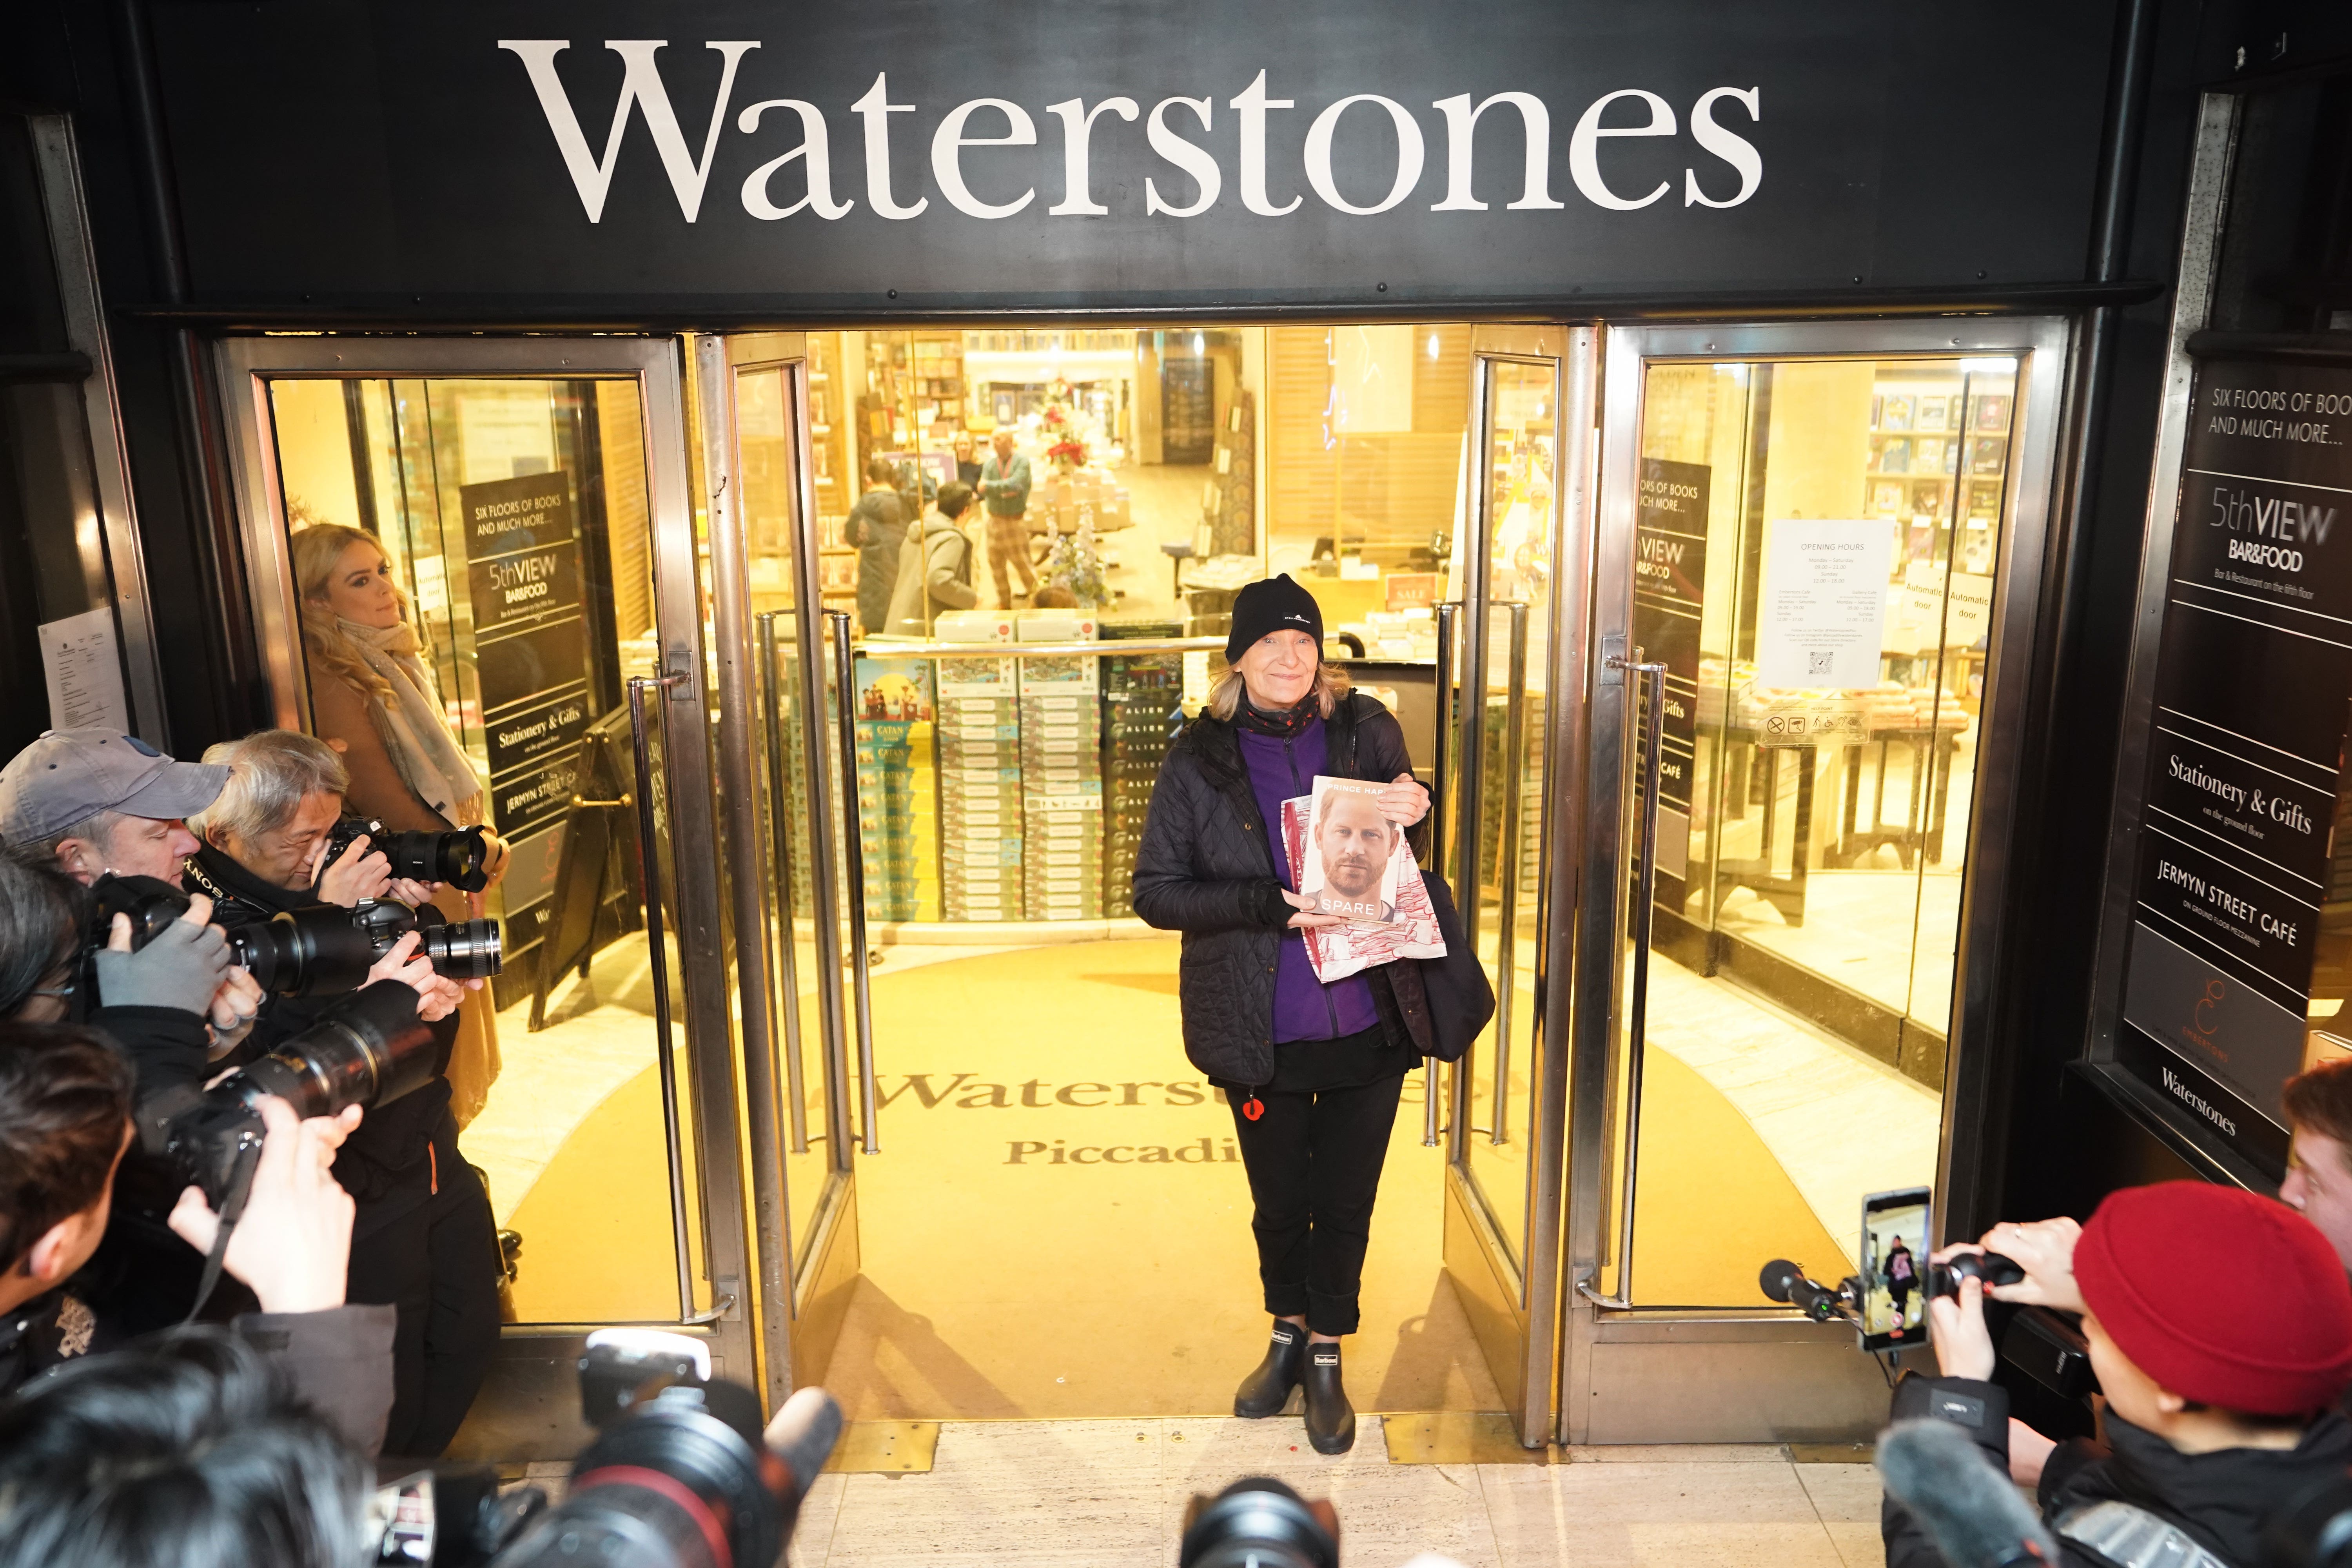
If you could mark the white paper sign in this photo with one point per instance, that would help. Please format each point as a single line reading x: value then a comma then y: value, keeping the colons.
x: 1915, y: 622
x: 1968, y: 615
x: 85, y: 674
x: 1824, y: 603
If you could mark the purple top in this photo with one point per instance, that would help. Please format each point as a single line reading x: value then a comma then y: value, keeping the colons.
x: 1304, y: 1007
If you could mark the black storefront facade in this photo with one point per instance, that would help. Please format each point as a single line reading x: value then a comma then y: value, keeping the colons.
x: 390, y: 193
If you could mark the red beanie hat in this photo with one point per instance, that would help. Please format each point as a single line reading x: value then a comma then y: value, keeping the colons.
x: 2221, y: 1296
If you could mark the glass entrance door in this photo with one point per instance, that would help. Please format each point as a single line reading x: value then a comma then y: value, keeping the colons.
x: 532, y: 502
x: 1814, y: 558
x: 1520, y: 577
x: 787, y: 809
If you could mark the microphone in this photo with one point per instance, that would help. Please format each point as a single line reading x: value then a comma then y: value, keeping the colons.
x: 1970, y: 1507
x: 1782, y: 1280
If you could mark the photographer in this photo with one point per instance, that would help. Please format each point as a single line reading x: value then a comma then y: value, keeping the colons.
x: 192, y: 1451
x: 65, y: 1124
x: 427, y: 1241
x: 2318, y: 1183
x: 89, y: 802
x: 2220, y: 1326
x: 96, y: 801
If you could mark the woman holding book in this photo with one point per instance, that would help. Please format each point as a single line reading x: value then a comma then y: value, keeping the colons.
x: 1313, y: 1070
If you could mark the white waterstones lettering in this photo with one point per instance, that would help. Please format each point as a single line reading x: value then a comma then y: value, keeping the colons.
x: 2198, y: 1103
x: 1078, y: 131
x: 876, y: 109
x: 1318, y: 154
x: 946, y: 154
x: 1168, y: 130
x: 816, y: 165
x: 641, y: 85
x: 1461, y: 127
x: 1194, y: 160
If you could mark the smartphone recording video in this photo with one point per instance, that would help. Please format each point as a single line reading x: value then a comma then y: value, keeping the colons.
x: 1895, y: 1246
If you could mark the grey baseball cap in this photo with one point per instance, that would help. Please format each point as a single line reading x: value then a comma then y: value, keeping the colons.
x: 68, y: 775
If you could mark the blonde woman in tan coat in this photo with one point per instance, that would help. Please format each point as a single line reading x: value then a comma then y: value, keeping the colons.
x: 373, y: 698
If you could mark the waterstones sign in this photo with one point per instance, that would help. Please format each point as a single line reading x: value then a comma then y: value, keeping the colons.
x: 1192, y: 170
x: 905, y: 150
x: 2240, y: 961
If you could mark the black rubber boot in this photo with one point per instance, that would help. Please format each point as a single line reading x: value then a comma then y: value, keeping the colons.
x: 1330, y: 1419
x: 1266, y: 1390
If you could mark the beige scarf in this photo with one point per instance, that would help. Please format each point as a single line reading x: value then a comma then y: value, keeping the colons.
x: 415, y: 728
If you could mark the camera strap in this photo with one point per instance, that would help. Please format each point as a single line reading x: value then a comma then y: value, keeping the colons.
x: 232, y: 1209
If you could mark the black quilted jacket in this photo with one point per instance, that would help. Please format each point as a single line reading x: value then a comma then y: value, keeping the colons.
x: 1206, y: 869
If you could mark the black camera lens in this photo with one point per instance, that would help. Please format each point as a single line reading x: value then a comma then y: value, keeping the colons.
x: 460, y: 857
x: 682, y: 1481
x: 309, y: 951
x: 460, y: 950
x: 151, y: 902
x: 371, y: 1050
x: 1256, y: 1524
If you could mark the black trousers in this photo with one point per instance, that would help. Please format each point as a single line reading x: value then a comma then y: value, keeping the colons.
x: 438, y: 1265
x: 1314, y: 1164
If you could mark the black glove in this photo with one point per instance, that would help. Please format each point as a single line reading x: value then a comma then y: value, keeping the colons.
x: 181, y: 967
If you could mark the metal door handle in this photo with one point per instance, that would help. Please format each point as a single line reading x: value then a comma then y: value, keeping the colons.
x: 1507, y: 926
x: 780, y: 798
x: 1651, y: 679
x: 1440, y: 746
x: 852, y: 839
x: 649, y: 863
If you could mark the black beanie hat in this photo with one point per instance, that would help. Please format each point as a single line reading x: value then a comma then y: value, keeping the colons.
x: 1270, y: 604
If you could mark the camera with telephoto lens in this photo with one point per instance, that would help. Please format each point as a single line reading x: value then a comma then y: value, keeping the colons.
x: 314, y: 951
x: 458, y: 856
x: 679, y: 1475
x: 460, y: 950
x: 1257, y: 1522
x: 369, y: 1049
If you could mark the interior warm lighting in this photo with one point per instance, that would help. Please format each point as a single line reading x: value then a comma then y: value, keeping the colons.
x: 1200, y: 345
x: 1432, y: 345
x: 1988, y: 367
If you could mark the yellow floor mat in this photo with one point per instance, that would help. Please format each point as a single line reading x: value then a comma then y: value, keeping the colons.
x: 595, y: 1227
x: 1712, y: 1206
x: 1058, y: 1223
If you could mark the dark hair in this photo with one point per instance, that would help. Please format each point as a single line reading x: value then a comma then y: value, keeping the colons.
x: 189, y: 1451
x: 881, y: 470
x: 1053, y: 599
x: 2321, y: 1100
x: 65, y: 1098
x: 954, y: 497
x: 42, y: 912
